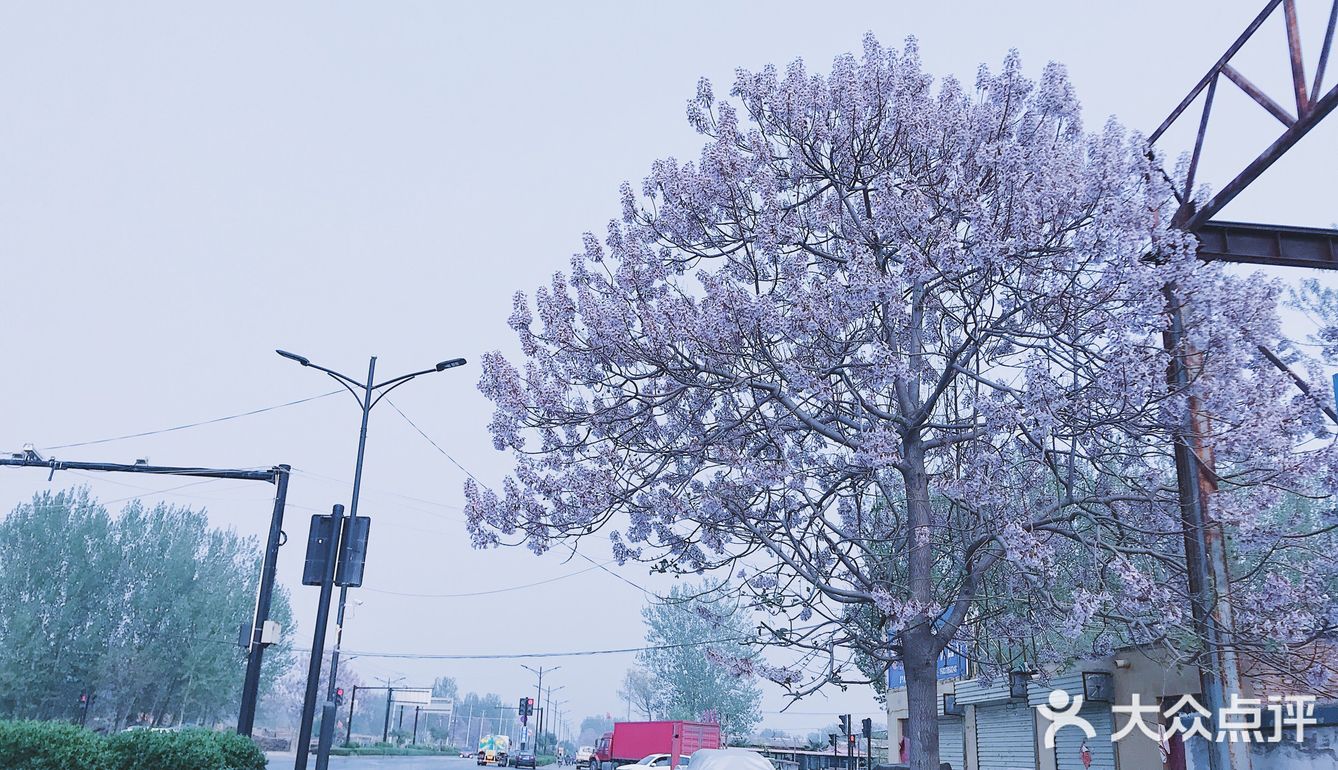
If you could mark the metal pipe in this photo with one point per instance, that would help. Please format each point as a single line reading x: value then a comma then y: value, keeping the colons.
x: 323, y: 750
x: 246, y: 716
x: 318, y: 640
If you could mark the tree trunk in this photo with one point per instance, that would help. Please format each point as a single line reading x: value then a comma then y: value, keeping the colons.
x: 921, y: 701
x: 920, y: 646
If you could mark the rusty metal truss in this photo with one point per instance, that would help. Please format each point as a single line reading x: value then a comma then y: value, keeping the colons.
x: 1311, y: 106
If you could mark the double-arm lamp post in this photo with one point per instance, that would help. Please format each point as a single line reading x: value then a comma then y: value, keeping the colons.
x: 368, y: 395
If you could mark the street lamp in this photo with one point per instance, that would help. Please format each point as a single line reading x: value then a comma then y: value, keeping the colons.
x: 368, y: 394
x: 540, y: 700
x: 546, y: 717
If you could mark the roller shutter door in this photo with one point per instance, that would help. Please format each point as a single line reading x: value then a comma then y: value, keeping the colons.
x: 1068, y: 741
x: 1005, y: 737
x: 952, y: 742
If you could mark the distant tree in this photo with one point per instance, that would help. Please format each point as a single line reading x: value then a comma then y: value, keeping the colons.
x: 445, y: 687
x: 638, y: 689
x: 696, y: 639
x: 139, y: 611
x: 54, y: 599
x: 292, y: 689
x: 592, y: 727
x: 478, y: 715
x: 822, y: 739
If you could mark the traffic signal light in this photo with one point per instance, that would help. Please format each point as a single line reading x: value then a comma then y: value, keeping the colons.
x: 845, y: 724
x: 529, y: 707
x: 852, y: 739
x: 866, y: 726
x: 339, y: 696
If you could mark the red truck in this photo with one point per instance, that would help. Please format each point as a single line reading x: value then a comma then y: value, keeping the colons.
x: 632, y: 741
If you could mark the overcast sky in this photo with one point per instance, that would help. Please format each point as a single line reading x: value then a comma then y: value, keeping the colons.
x: 185, y: 187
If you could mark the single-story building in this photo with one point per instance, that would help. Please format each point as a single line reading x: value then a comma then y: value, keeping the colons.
x: 1001, y: 725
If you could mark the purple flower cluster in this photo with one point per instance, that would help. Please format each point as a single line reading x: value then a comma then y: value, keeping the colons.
x: 901, y: 345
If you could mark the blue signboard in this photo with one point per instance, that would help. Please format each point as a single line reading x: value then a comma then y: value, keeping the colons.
x: 951, y: 665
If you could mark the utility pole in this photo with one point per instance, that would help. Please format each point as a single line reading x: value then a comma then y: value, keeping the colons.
x: 368, y: 398
x: 353, y: 698
x: 469, y: 725
x: 278, y: 476
x: 385, y: 729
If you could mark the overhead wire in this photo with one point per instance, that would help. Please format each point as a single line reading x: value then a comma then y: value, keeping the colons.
x: 596, y: 565
x: 488, y: 592
x: 523, y: 655
x: 433, y: 443
x: 192, y: 424
x: 170, y: 491
x: 603, y: 567
x: 386, y: 493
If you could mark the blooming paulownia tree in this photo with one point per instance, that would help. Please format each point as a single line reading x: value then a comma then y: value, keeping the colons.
x: 889, y: 356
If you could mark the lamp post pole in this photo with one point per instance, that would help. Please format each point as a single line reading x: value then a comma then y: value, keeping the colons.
x: 539, y: 701
x: 547, y: 718
x: 367, y: 396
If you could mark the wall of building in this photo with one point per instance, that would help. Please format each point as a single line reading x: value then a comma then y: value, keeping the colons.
x: 1156, y: 683
x: 1319, y: 751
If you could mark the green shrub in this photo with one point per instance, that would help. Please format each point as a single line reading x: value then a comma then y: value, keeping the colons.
x: 239, y: 752
x: 193, y: 749
x: 61, y: 746
x: 50, y: 746
x: 157, y: 750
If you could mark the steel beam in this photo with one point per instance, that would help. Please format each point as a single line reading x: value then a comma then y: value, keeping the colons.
x: 1259, y: 244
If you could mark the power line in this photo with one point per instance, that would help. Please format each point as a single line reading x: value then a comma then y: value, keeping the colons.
x: 386, y: 493
x: 151, y: 491
x: 456, y: 463
x: 433, y: 443
x: 523, y: 655
x: 466, y: 471
x: 489, y: 592
x: 193, y: 424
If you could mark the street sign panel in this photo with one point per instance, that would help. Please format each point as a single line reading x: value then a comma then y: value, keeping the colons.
x: 412, y: 697
x: 951, y: 665
x: 313, y: 571
x: 353, y: 551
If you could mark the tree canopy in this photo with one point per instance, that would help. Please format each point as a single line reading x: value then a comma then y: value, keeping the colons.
x: 892, y: 356
x: 689, y: 635
x: 138, y: 612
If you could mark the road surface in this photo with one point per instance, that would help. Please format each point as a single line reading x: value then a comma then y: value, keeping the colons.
x: 285, y: 762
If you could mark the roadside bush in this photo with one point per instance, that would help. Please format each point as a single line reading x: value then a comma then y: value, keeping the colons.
x: 61, y: 746
x: 50, y: 746
x: 193, y: 749
x: 150, y: 750
x: 239, y: 752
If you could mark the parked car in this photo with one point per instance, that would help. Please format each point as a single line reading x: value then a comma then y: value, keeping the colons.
x: 583, y: 755
x: 729, y: 759
x: 651, y: 760
x: 523, y: 759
